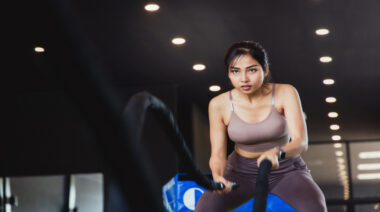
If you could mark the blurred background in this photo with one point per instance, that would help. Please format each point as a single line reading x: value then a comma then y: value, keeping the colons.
x: 328, y: 50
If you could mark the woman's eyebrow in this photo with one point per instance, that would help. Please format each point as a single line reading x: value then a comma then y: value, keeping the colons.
x: 233, y: 67
x: 251, y: 66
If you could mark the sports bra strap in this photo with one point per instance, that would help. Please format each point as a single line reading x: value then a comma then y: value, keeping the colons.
x: 273, y: 94
x: 232, y: 106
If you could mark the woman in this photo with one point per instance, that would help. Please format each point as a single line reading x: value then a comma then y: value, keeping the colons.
x: 260, y: 118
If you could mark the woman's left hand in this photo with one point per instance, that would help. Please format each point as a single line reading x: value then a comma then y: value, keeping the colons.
x: 271, y: 155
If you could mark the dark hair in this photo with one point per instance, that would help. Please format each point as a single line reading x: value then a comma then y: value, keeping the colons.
x: 254, y: 49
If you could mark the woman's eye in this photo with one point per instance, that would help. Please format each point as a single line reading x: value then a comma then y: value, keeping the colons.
x: 235, y: 71
x: 252, y: 70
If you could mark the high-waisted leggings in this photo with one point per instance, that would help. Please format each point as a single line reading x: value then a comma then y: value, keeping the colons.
x: 291, y: 182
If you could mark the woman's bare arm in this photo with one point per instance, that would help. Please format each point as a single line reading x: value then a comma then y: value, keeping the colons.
x: 295, y: 121
x: 218, y: 141
x: 296, y: 125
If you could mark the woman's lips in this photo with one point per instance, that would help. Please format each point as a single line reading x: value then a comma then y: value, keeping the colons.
x: 246, y: 87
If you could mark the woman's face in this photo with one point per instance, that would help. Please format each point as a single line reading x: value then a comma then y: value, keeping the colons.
x: 246, y: 74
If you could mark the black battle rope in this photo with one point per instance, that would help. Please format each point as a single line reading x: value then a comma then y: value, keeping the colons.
x: 135, y: 112
x: 261, y: 191
x: 82, y: 74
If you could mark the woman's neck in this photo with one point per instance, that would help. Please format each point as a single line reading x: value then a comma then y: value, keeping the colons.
x: 254, y: 97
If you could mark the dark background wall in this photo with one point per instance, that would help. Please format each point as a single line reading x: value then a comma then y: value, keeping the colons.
x: 48, y: 134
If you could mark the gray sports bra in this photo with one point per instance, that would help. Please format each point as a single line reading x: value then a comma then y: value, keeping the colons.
x: 261, y: 136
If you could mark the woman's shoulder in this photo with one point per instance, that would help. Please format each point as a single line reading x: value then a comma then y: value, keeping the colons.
x: 284, y: 88
x: 285, y: 92
x: 219, y: 101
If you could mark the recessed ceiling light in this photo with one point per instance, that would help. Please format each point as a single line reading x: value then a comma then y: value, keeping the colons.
x: 325, y: 59
x: 178, y: 41
x: 337, y: 145
x: 328, y: 81
x: 199, y: 67
x: 369, y: 166
x: 341, y: 166
x: 342, y: 173
x: 322, y: 31
x: 332, y: 114
x: 338, y: 153
x: 369, y: 155
x: 330, y: 99
x: 334, y: 127
x: 152, y: 7
x: 336, y: 137
x: 39, y: 49
x: 340, y: 160
x: 214, y: 88
x: 369, y: 176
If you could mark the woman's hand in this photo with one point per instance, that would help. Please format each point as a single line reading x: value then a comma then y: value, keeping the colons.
x: 271, y: 155
x: 227, y: 185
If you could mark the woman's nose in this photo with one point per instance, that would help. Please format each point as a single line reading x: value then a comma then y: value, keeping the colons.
x: 244, y: 77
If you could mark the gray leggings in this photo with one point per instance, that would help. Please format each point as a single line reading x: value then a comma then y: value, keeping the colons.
x: 291, y: 182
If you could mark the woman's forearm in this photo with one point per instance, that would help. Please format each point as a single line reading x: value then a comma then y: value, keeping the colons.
x: 217, y: 166
x: 295, y: 147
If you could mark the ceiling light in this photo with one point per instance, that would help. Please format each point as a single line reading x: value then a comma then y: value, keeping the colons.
x: 152, y: 7
x: 39, y: 49
x: 342, y: 173
x: 338, y: 153
x: 325, y: 59
x: 334, y: 127
x: 341, y: 166
x: 337, y: 145
x: 369, y: 166
x: 322, y: 31
x: 369, y: 176
x: 178, y: 41
x: 332, y: 114
x: 336, y: 137
x: 328, y: 81
x: 330, y: 99
x: 214, y: 88
x: 340, y: 160
x: 199, y: 67
x: 369, y: 155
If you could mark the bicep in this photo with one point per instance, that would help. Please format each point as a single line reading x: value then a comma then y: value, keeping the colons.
x: 218, y: 137
x: 294, y: 114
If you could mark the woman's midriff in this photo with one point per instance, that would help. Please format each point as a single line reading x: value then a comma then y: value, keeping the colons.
x: 247, y: 154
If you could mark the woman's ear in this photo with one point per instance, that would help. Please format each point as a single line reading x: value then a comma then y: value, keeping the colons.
x: 266, y: 72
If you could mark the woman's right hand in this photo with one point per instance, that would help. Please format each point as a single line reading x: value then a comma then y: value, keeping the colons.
x: 227, y: 185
